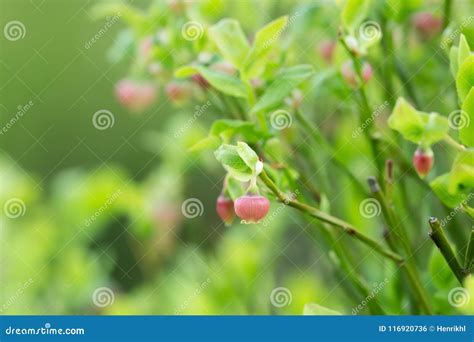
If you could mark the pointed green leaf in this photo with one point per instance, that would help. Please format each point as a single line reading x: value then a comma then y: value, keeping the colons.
x: 466, y: 120
x: 462, y: 173
x: 265, y: 40
x: 354, y: 12
x: 225, y: 83
x: 228, y: 156
x: 465, y: 77
x: 463, y: 51
x: 453, y: 61
x: 231, y: 41
x: 226, y: 129
x: 312, y: 309
x: 440, y: 186
x: 248, y: 156
x: 416, y: 126
x: 284, y: 83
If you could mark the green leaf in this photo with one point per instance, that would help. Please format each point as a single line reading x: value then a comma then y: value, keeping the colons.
x: 465, y: 77
x: 249, y: 157
x: 466, y: 120
x: 229, y: 157
x: 462, y: 173
x: 440, y: 186
x: 185, y: 71
x: 453, y: 61
x: 284, y: 83
x: 419, y: 127
x: 463, y: 51
x: 312, y: 309
x: 231, y: 41
x: 265, y: 40
x: 226, y: 129
x: 225, y: 83
x: 354, y: 12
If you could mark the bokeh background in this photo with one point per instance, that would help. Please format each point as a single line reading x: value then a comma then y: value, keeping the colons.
x: 99, y: 226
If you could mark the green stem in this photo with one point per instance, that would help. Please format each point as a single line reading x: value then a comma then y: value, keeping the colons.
x: 405, y: 80
x: 400, y: 239
x: 334, y: 221
x: 440, y: 240
x: 321, y: 141
x: 453, y: 143
x: 348, y: 269
x: 366, y: 112
x: 447, y: 13
x: 469, y: 253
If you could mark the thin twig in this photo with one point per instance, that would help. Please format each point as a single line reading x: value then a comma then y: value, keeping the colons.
x: 334, y: 221
x: 440, y: 240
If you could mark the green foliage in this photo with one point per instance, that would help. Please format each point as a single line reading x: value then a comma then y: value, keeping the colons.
x: 265, y: 41
x: 284, y: 82
x: 226, y: 84
x: 354, y: 12
x: 466, y: 120
x: 231, y: 41
x: 465, y: 77
x: 419, y: 127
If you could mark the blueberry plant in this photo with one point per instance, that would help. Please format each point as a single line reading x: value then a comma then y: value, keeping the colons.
x: 299, y: 128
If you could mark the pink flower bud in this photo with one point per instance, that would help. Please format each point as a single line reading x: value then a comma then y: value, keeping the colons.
x: 349, y: 74
x: 225, y: 209
x: 426, y: 24
x: 145, y: 48
x: 224, y: 67
x: 367, y: 72
x: 135, y: 96
x: 251, y: 209
x: 326, y: 50
x: 200, y: 81
x: 423, y: 161
x: 177, y: 92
